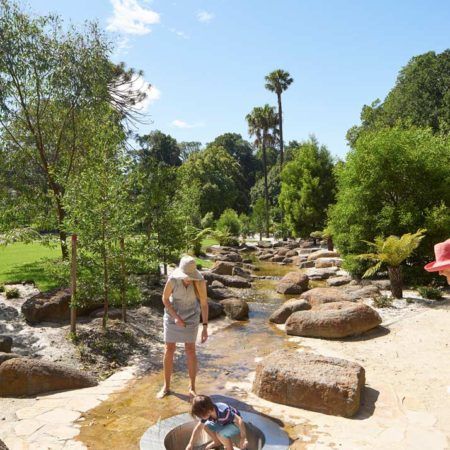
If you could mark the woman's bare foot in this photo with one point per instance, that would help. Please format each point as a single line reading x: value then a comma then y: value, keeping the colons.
x: 164, y: 392
x: 192, y: 393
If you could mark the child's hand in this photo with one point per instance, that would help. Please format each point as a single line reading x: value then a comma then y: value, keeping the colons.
x: 243, y: 443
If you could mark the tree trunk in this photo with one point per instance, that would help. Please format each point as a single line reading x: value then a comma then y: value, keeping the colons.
x: 266, y: 189
x: 62, y: 233
x: 73, y: 287
x: 105, y: 279
x: 280, y: 124
x: 123, y: 279
x: 395, y: 277
x: 330, y: 245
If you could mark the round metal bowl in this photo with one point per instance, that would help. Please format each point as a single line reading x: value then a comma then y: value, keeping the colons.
x: 174, y: 434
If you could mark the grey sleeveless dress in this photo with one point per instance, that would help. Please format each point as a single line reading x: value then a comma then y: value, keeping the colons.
x: 185, y: 303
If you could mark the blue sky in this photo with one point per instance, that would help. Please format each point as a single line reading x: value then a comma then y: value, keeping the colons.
x: 207, y: 58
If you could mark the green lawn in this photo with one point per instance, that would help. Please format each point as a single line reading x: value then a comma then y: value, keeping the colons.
x: 208, y: 242
x: 24, y: 262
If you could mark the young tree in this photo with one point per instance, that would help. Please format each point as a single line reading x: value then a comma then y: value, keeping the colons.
x: 100, y: 212
x: 307, y: 188
x: 52, y: 80
x: 392, y: 251
x: 262, y: 123
x: 278, y: 81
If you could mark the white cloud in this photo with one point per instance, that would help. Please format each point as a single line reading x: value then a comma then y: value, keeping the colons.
x: 131, y: 18
x: 182, y: 124
x: 122, y: 46
x: 139, y: 84
x: 179, y: 33
x: 205, y: 16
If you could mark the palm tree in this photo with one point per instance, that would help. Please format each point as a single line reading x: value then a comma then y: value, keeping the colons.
x: 278, y: 81
x: 262, y: 123
x: 392, y: 251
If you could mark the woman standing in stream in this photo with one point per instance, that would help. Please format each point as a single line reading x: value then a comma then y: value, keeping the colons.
x: 185, y: 301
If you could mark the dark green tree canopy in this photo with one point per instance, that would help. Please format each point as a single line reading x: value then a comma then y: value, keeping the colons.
x: 307, y: 188
x: 420, y: 97
x: 393, y: 182
x: 217, y: 175
x: 160, y: 147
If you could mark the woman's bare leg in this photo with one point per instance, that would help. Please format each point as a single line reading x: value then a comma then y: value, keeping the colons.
x: 191, y: 357
x: 169, y: 351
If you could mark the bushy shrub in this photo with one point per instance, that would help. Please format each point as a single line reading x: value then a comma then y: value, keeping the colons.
x: 430, y: 292
x: 12, y: 293
x: 383, y: 301
x: 229, y: 222
x: 208, y: 220
x: 2, y: 288
x: 355, y: 266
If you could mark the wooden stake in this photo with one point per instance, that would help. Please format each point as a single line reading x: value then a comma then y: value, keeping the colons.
x: 73, y: 286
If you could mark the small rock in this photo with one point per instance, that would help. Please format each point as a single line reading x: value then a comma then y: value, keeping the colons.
x: 236, y: 308
x: 5, y: 344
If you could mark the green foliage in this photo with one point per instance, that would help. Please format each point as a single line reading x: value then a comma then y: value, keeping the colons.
x: 12, y: 293
x: 195, y: 238
x: 246, y: 225
x: 229, y: 222
x: 2, y: 288
x: 383, y: 301
x: 208, y: 220
x: 160, y: 147
x: 216, y: 176
x: 354, y: 265
x: 420, y: 98
x: 242, y: 152
x: 430, y: 292
x: 273, y: 187
x: 307, y: 188
x: 258, y: 216
x: 225, y: 238
x: 53, y: 81
x: 394, y: 180
x: 391, y: 251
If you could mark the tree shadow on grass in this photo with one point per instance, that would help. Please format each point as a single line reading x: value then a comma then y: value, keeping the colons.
x: 35, y: 272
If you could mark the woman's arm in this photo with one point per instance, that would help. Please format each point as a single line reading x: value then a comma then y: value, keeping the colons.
x: 194, y: 435
x: 165, y: 298
x: 203, y: 298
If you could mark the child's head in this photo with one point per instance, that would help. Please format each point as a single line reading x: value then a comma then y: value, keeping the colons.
x: 202, y: 406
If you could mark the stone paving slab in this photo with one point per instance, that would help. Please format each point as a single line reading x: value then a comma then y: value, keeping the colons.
x: 48, y: 422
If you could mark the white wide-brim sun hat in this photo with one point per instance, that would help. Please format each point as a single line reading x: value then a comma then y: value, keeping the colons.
x: 187, y: 269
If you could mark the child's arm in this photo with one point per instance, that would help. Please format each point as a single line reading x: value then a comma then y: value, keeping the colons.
x: 241, y: 425
x: 195, y: 433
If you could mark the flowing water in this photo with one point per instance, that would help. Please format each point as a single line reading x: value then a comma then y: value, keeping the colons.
x: 228, y: 356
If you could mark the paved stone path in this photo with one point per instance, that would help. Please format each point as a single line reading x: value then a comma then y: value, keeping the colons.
x: 47, y: 422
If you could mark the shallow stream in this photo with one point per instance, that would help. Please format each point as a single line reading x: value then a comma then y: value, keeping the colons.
x: 229, y: 356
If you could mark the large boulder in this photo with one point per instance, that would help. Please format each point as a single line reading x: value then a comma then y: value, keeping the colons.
x: 305, y: 264
x: 281, y: 314
x: 52, y: 306
x: 339, y: 280
x: 333, y: 320
x: 322, y: 254
x: 282, y: 251
x: 309, y: 381
x: 5, y: 344
x: 291, y: 253
x: 317, y: 296
x: 215, y: 310
x: 223, y: 268
x: 359, y: 292
x: 240, y: 272
x: 219, y: 293
x: 26, y: 376
x: 278, y: 258
x: 5, y: 356
x: 227, y: 280
x: 230, y: 257
x: 320, y: 263
x: 321, y: 274
x: 293, y: 283
x: 235, y: 308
